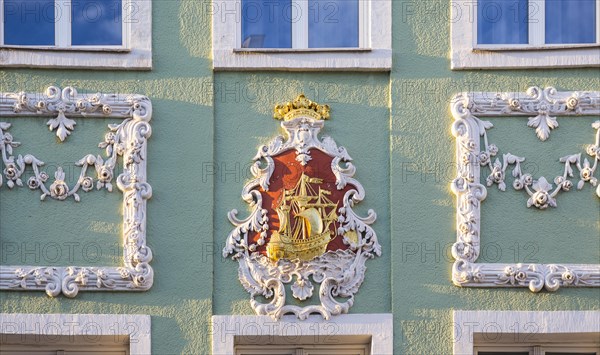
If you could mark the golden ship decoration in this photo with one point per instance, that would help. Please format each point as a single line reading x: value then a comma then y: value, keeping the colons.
x: 305, y: 217
x: 296, y: 253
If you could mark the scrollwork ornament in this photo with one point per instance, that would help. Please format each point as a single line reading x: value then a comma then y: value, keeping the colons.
x: 476, y: 156
x: 125, y: 142
x: 264, y: 270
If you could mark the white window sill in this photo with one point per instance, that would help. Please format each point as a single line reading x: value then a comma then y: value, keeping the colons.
x: 115, y: 49
x: 527, y: 47
x: 343, y: 60
x: 298, y: 50
x: 466, y: 58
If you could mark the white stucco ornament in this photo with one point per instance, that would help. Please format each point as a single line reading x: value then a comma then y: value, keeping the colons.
x: 126, y: 141
x: 302, y: 229
x: 470, y: 132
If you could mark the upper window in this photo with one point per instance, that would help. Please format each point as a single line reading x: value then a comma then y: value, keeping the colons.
x: 97, y: 33
x: 525, y: 33
x: 306, y: 34
x: 546, y: 24
x: 302, y: 25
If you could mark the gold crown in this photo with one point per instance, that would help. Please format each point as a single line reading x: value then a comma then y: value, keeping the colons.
x: 301, y: 106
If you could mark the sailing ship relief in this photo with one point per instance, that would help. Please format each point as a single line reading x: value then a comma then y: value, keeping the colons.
x: 305, y: 218
x: 302, y: 228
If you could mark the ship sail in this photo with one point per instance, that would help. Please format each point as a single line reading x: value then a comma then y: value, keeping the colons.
x: 312, y: 221
x: 283, y: 222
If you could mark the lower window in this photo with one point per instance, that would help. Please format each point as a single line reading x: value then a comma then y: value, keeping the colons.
x: 346, y: 334
x: 303, y: 349
x: 526, y: 333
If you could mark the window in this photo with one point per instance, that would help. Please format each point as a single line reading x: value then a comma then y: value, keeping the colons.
x: 537, y: 349
x: 325, y: 24
x: 101, y: 34
x: 304, y: 34
x: 525, y: 33
x: 346, y: 334
x: 536, y: 24
x: 64, y: 334
x: 526, y: 333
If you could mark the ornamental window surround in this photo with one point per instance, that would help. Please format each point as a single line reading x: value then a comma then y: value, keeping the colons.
x: 520, y: 33
x: 99, y: 34
x: 302, y: 34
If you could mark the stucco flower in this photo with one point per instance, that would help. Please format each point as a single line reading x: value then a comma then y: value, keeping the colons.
x: 44, y: 176
x: 109, y: 138
x: 493, y: 149
x: 514, y: 104
x: 33, y: 183
x: 518, y: 184
x: 541, y: 198
x: 566, y: 185
x: 593, y: 150
x: 568, y: 277
x: 484, y: 158
x: 496, y: 176
x: 10, y: 171
x: 7, y: 139
x: 105, y: 174
x: 521, y: 276
x: 59, y: 189
x: 586, y: 172
x: 527, y: 179
x: 87, y: 184
x: 572, y: 103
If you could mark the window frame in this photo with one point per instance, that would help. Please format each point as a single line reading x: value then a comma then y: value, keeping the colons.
x: 63, y: 31
x: 469, y: 129
x: 300, y: 32
x: 135, y: 52
x: 373, y: 54
x: 537, y: 33
x: 379, y: 327
x: 466, y: 53
x: 134, y: 112
x: 134, y: 327
x: 523, y: 329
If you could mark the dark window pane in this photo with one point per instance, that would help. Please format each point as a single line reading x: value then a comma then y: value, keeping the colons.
x: 29, y: 22
x: 332, y: 23
x: 96, y: 22
x: 502, y: 22
x: 570, y: 21
x: 502, y: 353
x: 564, y: 353
x: 267, y: 24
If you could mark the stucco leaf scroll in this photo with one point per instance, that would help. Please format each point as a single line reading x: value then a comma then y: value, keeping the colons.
x: 339, y: 273
x: 470, y: 130
x: 61, y: 103
x: 126, y: 142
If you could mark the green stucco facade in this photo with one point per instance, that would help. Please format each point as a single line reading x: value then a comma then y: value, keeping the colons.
x: 396, y: 126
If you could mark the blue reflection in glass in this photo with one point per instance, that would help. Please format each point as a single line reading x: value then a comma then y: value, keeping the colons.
x: 267, y: 24
x: 502, y: 22
x: 29, y: 22
x: 571, y: 21
x: 332, y: 23
x: 96, y: 22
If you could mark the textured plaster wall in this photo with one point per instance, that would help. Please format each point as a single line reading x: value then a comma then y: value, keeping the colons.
x: 395, y: 126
